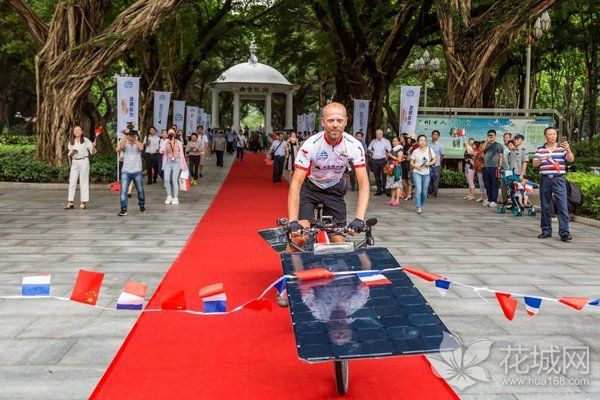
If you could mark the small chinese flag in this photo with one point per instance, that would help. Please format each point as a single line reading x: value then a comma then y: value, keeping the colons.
x: 87, y: 287
x: 175, y: 301
x: 259, y: 304
x: 576, y: 302
x: 428, y: 276
x: 98, y: 131
x: 508, y: 305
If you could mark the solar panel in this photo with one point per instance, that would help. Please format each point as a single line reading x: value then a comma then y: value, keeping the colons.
x: 341, y: 318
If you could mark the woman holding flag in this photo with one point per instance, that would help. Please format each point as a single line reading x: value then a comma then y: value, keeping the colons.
x: 80, y: 148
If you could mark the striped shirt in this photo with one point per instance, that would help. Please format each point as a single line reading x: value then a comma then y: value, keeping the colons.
x: 552, y: 162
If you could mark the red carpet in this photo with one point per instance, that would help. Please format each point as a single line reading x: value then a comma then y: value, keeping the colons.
x: 250, y: 354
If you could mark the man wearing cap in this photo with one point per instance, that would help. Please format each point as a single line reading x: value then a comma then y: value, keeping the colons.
x: 518, y: 158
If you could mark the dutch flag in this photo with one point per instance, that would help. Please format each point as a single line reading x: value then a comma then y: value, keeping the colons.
x: 132, y: 297
x: 38, y: 285
x: 442, y: 286
x: 529, y: 187
x: 532, y: 305
x: 214, y: 298
x: 281, y: 289
x: 373, y: 278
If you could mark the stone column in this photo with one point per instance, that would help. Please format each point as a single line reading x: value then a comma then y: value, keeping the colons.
x: 268, y: 121
x: 236, y: 111
x: 289, y: 107
x: 214, y: 123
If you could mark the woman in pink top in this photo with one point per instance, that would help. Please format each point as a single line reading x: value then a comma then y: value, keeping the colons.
x: 173, y: 161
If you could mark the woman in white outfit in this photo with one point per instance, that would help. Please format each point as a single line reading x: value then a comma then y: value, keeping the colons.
x: 80, y: 149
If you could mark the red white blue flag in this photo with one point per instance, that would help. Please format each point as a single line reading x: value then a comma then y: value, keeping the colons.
x: 373, y: 278
x: 281, y: 289
x: 214, y: 298
x: 38, y: 285
x: 529, y: 187
x: 442, y: 286
x: 532, y: 305
x: 132, y: 297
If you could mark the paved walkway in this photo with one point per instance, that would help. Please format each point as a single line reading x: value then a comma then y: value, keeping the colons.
x: 55, y: 350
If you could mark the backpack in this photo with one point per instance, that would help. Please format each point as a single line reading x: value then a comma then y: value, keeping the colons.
x: 574, y: 194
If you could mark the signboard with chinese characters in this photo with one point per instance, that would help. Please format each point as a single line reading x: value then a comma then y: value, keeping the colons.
x: 476, y: 127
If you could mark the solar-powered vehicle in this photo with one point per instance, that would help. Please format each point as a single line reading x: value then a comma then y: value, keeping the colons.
x: 338, y: 315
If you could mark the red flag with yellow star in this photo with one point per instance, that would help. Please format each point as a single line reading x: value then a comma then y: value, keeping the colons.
x: 87, y: 287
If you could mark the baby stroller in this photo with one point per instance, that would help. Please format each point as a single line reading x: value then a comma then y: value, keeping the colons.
x: 518, y: 191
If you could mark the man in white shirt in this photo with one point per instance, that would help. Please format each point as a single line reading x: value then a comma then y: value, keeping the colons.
x: 240, y: 144
x: 436, y: 169
x: 378, y: 149
x: 152, y: 156
x: 277, y: 150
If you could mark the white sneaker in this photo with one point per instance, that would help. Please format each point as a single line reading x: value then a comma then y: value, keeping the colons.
x: 485, y: 203
x: 493, y: 204
x: 419, y: 210
x: 175, y: 201
x: 169, y: 200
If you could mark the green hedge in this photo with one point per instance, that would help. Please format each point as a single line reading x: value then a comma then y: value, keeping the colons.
x: 18, y: 164
x: 453, y: 179
x: 590, y: 187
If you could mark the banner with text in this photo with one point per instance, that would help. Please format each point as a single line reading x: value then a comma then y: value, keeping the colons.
x: 409, y: 108
x: 361, y: 116
x: 161, y: 109
x: 311, y: 121
x: 128, y: 99
x: 178, y: 113
x: 191, y: 119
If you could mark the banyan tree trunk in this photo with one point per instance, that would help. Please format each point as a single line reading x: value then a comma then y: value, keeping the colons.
x: 74, y: 49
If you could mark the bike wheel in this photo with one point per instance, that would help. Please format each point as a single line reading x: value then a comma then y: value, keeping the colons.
x: 341, y: 376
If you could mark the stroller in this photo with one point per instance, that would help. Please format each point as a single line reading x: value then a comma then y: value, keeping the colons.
x: 518, y: 191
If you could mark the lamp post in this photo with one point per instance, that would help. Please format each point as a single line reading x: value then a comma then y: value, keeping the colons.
x: 425, y: 67
x: 540, y: 28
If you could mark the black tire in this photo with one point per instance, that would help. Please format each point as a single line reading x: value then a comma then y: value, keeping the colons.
x: 341, y: 376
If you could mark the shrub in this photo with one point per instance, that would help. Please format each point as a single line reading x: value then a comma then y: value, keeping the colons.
x: 18, y: 164
x: 590, y: 187
x: 452, y: 179
x: 12, y: 139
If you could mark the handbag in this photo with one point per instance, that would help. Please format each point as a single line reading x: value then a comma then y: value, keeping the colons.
x: 184, y: 180
x: 388, y: 169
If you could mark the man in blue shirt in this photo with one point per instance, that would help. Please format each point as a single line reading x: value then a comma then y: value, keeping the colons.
x: 436, y: 169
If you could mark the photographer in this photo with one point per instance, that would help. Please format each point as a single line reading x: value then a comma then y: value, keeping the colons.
x: 132, y: 168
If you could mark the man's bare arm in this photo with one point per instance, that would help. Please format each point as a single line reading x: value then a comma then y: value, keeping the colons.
x: 364, y: 191
x: 294, y: 194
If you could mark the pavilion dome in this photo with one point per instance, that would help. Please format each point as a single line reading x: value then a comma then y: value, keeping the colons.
x: 253, y: 72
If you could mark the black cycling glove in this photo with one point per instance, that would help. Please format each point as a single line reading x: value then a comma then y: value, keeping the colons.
x: 358, y: 225
x: 294, y: 226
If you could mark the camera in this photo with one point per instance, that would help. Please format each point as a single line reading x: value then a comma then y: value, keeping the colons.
x: 131, y: 129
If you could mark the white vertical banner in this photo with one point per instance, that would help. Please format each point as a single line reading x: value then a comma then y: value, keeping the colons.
x: 191, y: 118
x: 409, y: 108
x: 311, y: 121
x: 321, y: 127
x: 179, y: 113
x: 200, y: 118
x: 360, y: 122
x: 298, y: 130
x: 208, y: 121
x: 305, y: 122
x: 128, y: 100
x: 161, y: 109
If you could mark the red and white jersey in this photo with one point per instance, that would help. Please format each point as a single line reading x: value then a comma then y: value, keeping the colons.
x: 325, y: 161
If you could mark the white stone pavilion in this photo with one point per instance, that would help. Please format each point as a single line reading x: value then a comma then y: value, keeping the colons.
x: 252, y: 81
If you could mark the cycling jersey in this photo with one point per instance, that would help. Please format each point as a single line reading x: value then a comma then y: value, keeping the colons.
x: 326, y: 162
